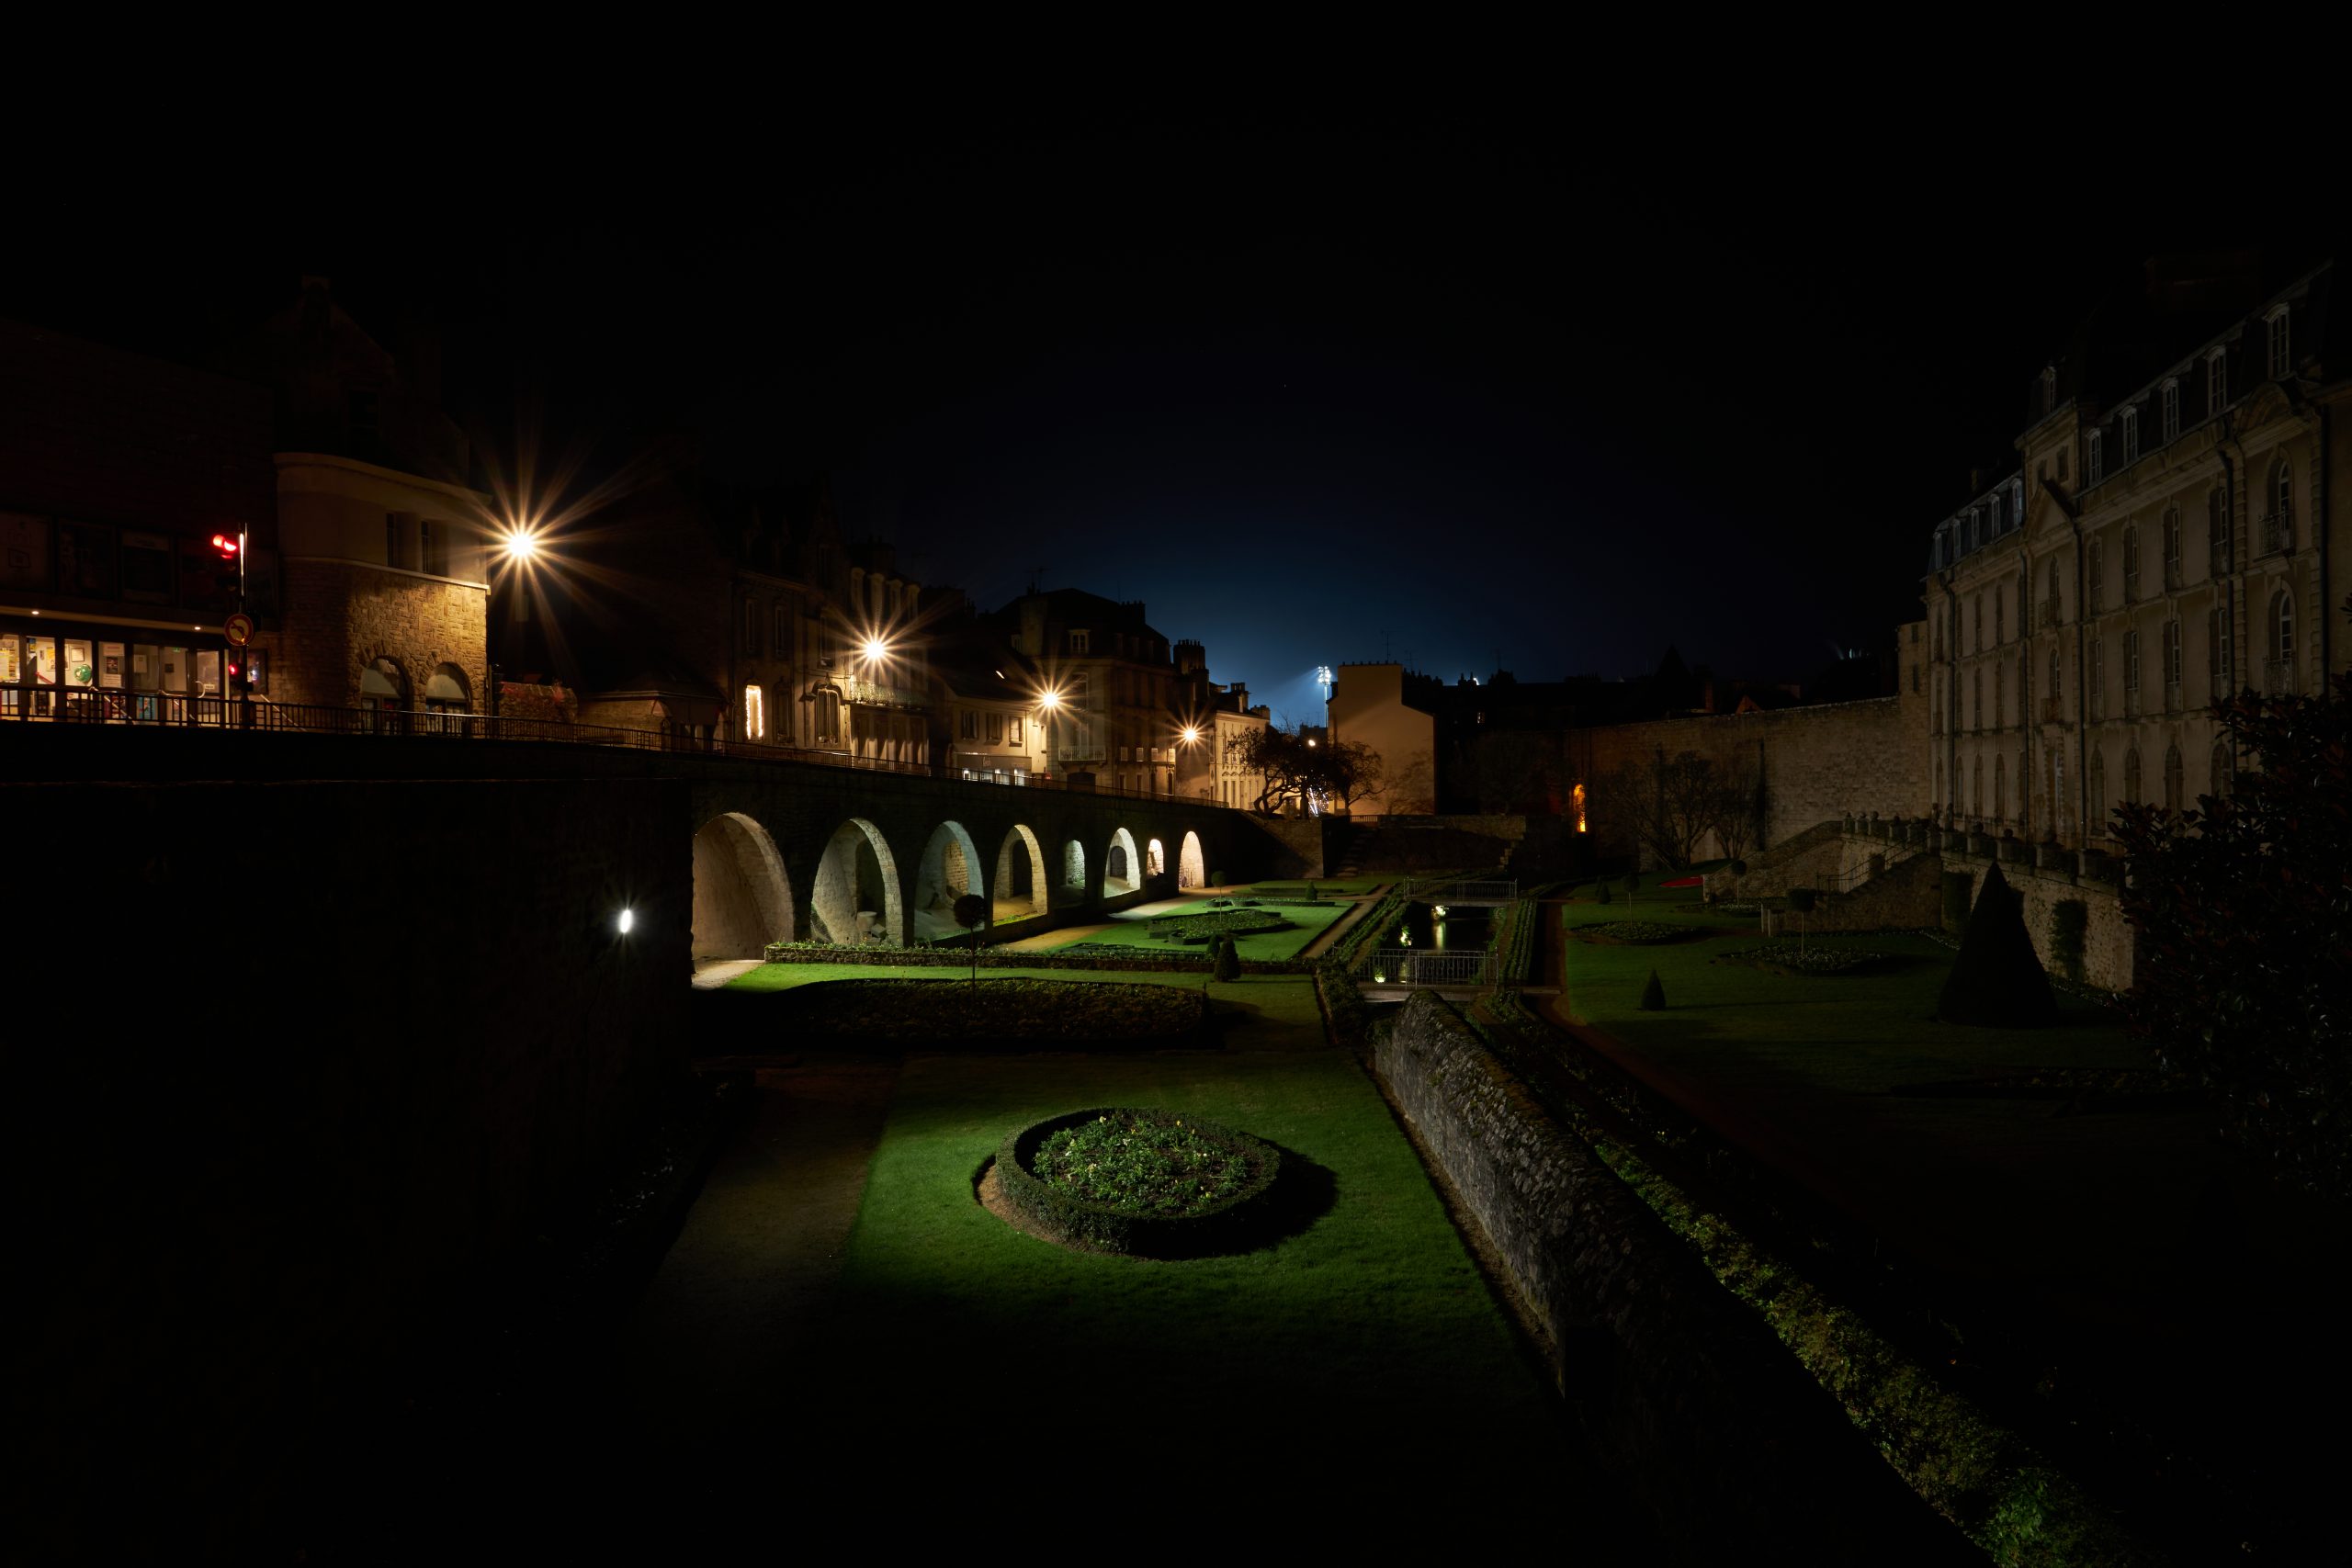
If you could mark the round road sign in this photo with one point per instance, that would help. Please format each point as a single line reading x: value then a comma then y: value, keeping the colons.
x: 240, y: 628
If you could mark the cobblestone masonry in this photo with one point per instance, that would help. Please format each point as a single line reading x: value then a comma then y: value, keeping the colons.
x: 340, y: 617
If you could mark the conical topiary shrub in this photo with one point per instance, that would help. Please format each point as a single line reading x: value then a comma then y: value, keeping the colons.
x: 1653, y: 995
x: 1604, y: 896
x: 1997, y: 980
x: 1228, y: 963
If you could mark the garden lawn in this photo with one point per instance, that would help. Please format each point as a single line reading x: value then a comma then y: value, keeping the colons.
x: 1365, y: 1344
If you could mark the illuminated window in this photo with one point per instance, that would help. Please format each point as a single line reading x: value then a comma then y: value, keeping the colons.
x: 755, y: 713
x: 2278, y: 321
x: 1013, y: 731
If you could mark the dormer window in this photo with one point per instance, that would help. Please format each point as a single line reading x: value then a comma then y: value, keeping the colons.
x: 2094, y: 461
x: 2217, y: 381
x: 2131, y: 435
x: 2171, y: 409
x: 2049, y: 388
x: 1079, y: 641
x: 2277, y: 321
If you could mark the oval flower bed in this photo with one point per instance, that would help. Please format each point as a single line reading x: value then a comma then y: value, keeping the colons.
x: 1787, y: 958
x: 1150, y: 1182
x: 1633, y: 933
x: 1054, y: 1015
x: 1208, y: 926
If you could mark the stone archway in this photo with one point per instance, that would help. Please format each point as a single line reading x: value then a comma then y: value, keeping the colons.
x: 1155, y: 859
x: 1020, y: 886
x: 1073, y: 883
x: 1122, y: 867
x: 1192, y: 867
x: 950, y: 868
x: 855, y: 901
x: 743, y: 895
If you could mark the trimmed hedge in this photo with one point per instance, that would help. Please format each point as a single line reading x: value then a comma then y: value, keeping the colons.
x: 1002, y: 1015
x: 1788, y: 958
x: 1230, y: 1225
x: 1200, y: 928
x: 1633, y: 933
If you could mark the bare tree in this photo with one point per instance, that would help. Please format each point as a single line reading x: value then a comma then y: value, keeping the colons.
x: 1669, y: 804
x: 1299, y: 772
x: 1739, y: 811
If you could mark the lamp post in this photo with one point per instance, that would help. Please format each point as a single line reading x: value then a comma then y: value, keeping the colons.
x: 1190, y: 735
x: 520, y: 547
x: 1048, y: 701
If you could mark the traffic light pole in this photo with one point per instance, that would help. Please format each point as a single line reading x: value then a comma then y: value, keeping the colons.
x: 245, y: 654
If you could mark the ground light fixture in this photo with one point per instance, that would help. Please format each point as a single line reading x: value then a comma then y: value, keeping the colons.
x: 627, y: 918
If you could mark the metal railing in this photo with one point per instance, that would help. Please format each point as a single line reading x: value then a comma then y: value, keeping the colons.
x: 1408, y: 966
x: 2278, y: 676
x: 82, y: 705
x: 2278, y: 533
x: 1460, y: 890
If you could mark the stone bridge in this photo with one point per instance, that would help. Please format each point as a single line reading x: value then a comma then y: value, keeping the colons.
x: 777, y: 850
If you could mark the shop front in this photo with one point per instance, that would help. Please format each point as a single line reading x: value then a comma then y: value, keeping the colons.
x: 114, y: 672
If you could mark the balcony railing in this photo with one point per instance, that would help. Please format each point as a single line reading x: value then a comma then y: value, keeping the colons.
x: 2172, y: 696
x: 2049, y: 614
x: 2174, y: 576
x: 2131, y: 587
x: 2278, y: 676
x: 2278, y: 533
x: 873, y: 693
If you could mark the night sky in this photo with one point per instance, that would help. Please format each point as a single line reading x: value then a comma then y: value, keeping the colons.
x: 1315, y: 399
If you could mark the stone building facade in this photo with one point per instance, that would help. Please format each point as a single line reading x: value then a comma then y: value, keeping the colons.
x: 2174, y: 533
x: 1115, y: 679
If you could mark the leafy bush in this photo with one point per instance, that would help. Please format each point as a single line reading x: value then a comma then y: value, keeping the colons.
x: 1633, y: 933
x: 2070, y: 921
x: 1119, y: 1211
x: 1788, y: 958
x: 1997, y: 979
x: 1228, y: 960
x: 1002, y: 1014
x: 2244, y: 923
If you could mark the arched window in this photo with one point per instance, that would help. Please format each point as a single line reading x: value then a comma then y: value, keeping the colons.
x: 2097, y: 778
x: 2131, y: 673
x: 2175, y: 801
x: 2278, y: 526
x: 2217, y: 532
x: 2281, y: 650
x: 2172, y: 547
x: 2094, y: 461
x: 1976, y: 698
x: 383, y: 691
x: 2171, y: 409
x: 446, y: 698
x: 1976, y: 787
x: 2277, y: 344
x: 2000, y: 789
x: 2131, y: 563
x: 2172, y: 664
x: 2131, y: 434
x: 2095, y: 588
x: 2050, y: 616
x: 2222, y: 768
x: 2096, y: 678
x: 2057, y: 683
x: 2000, y: 694
x: 2131, y: 776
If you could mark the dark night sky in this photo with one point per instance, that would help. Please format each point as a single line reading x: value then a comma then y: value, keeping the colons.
x: 1313, y: 399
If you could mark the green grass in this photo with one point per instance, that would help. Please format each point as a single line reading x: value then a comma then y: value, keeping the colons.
x: 1370, y: 1331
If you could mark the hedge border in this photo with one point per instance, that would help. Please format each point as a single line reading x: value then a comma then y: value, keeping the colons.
x: 1229, y: 1226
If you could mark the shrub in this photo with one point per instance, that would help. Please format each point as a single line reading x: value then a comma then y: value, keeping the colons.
x: 1996, y: 980
x: 1228, y: 960
x: 1126, y: 1207
x: 1218, y: 923
x: 1653, y: 995
x: 2070, y: 920
x: 1002, y: 1015
x: 1602, y: 897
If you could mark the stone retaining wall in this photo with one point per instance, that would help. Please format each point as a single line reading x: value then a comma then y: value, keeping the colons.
x: 1719, y: 1431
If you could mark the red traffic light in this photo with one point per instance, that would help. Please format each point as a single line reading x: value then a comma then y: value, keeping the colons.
x: 224, y: 544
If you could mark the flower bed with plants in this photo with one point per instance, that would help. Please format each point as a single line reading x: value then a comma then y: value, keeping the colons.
x: 1216, y: 923
x: 1633, y: 933
x: 1016, y: 1015
x: 1788, y: 958
x: 1150, y: 1182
